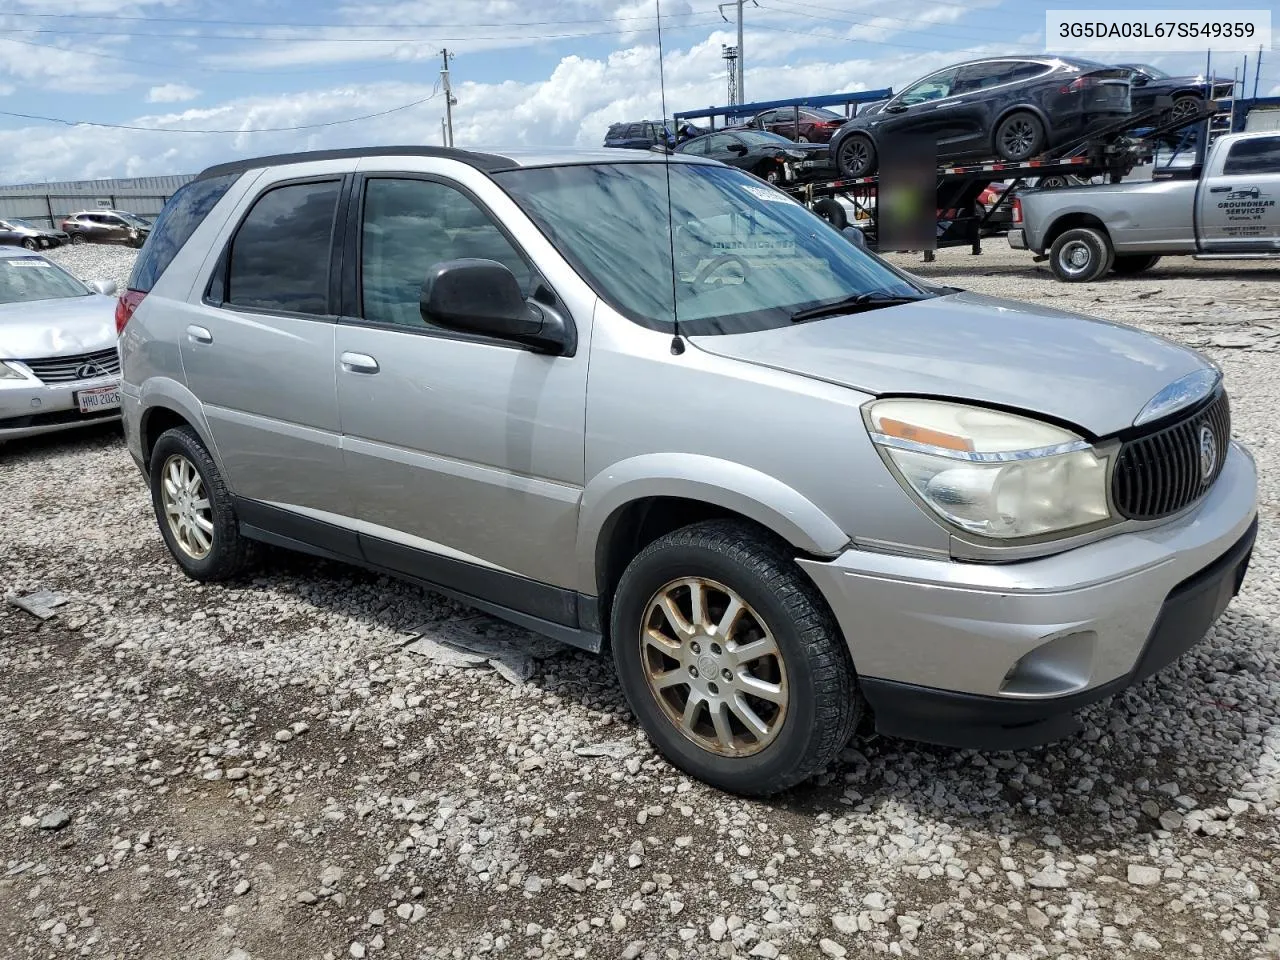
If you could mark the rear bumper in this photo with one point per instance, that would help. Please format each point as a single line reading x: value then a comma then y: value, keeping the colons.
x: 1000, y: 655
x: 1017, y: 239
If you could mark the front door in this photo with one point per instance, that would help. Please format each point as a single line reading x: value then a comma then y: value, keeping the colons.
x: 258, y: 350
x: 465, y: 453
x: 927, y: 108
x: 1240, y: 198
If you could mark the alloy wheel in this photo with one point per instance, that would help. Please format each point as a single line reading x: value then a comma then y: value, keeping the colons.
x: 1186, y: 107
x: 186, y: 507
x: 1018, y: 138
x: 714, y: 667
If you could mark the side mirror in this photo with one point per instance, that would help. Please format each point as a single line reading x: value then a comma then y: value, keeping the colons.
x: 484, y: 297
x: 740, y: 149
x: 896, y: 108
x: 107, y: 288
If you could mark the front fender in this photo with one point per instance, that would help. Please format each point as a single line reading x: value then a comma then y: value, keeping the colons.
x: 732, y: 486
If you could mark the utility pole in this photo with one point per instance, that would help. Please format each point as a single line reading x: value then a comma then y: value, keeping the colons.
x: 449, y: 101
x: 742, y: 96
x: 1257, y: 72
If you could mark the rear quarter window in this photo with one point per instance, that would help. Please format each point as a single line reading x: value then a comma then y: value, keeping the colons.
x: 179, y: 219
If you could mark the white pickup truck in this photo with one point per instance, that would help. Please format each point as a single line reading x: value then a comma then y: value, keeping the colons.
x: 1230, y: 212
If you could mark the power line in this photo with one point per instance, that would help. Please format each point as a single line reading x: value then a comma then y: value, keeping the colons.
x: 127, y: 126
x: 169, y: 65
x: 344, y: 26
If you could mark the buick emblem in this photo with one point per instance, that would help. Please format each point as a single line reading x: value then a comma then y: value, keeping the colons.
x: 87, y: 371
x: 1208, y: 453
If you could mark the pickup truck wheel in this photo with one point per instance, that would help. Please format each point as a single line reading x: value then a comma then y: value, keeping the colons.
x: 1134, y: 263
x: 1080, y: 255
x: 731, y: 660
x: 1020, y: 136
x: 856, y: 156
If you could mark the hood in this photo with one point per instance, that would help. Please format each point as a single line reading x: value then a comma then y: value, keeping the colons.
x: 870, y: 109
x: 1091, y: 373
x: 51, y: 328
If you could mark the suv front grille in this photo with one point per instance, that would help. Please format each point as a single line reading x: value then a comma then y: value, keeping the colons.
x: 1163, y: 472
x: 82, y: 366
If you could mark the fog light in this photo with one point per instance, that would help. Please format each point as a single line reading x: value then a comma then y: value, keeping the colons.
x: 1059, y: 666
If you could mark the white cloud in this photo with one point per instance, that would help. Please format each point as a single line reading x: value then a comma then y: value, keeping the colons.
x: 172, y: 93
x: 6, y: 89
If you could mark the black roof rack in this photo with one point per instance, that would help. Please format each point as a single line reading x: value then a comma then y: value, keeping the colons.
x: 482, y: 161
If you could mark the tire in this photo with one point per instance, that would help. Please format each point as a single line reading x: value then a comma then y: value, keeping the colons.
x: 228, y: 551
x: 831, y: 211
x: 30, y: 244
x: 802, y: 139
x: 770, y: 171
x: 1052, y: 183
x: 809, y: 667
x: 856, y: 156
x: 1187, y: 105
x: 1019, y: 136
x: 1080, y: 255
x: 78, y: 238
x: 1134, y: 263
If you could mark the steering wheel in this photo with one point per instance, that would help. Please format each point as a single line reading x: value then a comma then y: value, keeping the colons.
x: 704, y: 275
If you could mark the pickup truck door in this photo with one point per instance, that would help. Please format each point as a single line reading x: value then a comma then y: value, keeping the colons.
x: 1239, y: 202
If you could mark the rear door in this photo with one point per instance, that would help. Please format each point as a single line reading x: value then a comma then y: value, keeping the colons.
x: 258, y: 347
x: 1238, y: 208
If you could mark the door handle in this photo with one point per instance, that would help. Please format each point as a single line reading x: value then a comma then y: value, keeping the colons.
x: 198, y: 334
x: 1219, y: 189
x: 359, y: 363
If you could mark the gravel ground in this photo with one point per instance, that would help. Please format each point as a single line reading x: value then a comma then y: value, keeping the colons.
x: 263, y: 771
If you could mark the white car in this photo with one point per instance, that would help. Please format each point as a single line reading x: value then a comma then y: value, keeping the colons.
x: 59, y: 368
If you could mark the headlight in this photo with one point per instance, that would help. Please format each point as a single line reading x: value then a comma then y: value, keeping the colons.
x: 991, y: 473
x: 9, y: 373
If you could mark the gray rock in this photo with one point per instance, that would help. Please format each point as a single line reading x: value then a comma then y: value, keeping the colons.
x: 55, y: 819
x: 1048, y: 880
x: 1143, y: 876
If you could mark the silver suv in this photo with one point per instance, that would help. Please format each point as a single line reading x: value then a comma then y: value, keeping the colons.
x: 781, y: 480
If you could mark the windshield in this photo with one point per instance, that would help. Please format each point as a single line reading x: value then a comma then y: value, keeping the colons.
x: 34, y: 278
x: 765, y: 139
x: 747, y: 256
x: 20, y: 223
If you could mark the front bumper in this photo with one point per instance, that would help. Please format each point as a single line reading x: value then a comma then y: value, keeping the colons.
x: 28, y: 409
x: 998, y: 656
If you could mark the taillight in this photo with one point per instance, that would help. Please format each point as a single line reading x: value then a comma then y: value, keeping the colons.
x: 1017, y: 210
x: 1079, y: 83
x: 125, y: 306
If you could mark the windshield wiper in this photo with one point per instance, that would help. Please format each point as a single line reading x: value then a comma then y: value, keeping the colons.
x: 857, y: 303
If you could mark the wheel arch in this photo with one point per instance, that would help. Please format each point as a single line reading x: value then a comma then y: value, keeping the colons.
x: 166, y: 404
x: 1069, y: 221
x: 633, y: 503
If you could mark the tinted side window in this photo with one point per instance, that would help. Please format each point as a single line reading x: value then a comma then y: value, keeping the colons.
x: 719, y: 143
x: 1261, y: 155
x: 411, y: 225
x: 280, y: 255
x: 184, y: 212
x: 635, y: 131
x: 931, y: 88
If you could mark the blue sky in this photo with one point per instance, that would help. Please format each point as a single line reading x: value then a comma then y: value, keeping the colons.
x: 527, y: 72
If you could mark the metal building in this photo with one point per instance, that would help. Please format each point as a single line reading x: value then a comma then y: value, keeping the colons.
x: 45, y: 204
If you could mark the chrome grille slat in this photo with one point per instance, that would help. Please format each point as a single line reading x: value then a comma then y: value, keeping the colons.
x: 1159, y: 474
x: 64, y: 369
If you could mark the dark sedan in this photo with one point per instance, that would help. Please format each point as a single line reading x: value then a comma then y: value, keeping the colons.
x: 107, y: 226
x: 1187, y: 94
x: 1012, y: 108
x: 20, y: 233
x: 767, y: 155
x: 815, y: 124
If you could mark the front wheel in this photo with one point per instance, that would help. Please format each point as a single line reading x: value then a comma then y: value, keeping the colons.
x: 1080, y: 255
x: 856, y: 156
x: 1185, y: 107
x: 30, y: 244
x: 1020, y: 136
x: 730, y: 659
x: 1134, y: 263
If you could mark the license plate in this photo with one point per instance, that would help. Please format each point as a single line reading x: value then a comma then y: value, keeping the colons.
x: 97, y: 399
